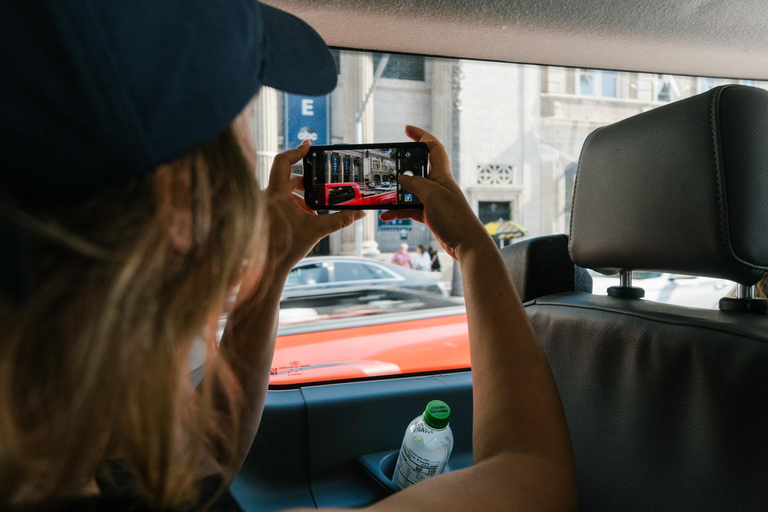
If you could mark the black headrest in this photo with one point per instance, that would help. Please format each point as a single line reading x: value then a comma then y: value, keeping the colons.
x: 682, y: 188
x: 541, y: 266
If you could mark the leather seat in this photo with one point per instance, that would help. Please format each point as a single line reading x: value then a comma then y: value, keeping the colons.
x: 667, y: 406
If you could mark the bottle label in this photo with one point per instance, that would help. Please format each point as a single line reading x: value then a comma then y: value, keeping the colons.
x: 412, y: 468
x: 423, y: 429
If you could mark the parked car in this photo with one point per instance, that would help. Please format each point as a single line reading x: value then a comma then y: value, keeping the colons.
x: 324, y: 288
x: 385, y: 187
x: 683, y: 290
x: 357, y: 194
x: 334, y: 272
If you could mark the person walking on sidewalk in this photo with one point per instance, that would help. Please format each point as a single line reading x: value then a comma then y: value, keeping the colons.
x: 422, y: 260
x: 401, y: 257
x: 434, y: 260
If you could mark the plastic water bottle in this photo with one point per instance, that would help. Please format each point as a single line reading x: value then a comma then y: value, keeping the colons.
x: 427, y: 445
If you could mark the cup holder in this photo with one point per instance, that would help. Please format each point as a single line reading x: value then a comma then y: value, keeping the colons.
x: 381, y: 467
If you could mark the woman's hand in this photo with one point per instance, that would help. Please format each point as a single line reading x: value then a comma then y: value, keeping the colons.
x: 446, y: 211
x: 295, y: 228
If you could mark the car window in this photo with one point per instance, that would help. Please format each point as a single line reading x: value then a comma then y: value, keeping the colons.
x: 310, y: 274
x: 346, y: 271
x: 338, y: 195
x: 513, y: 133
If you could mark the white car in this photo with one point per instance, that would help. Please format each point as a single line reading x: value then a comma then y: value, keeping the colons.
x: 698, y: 292
x: 335, y: 272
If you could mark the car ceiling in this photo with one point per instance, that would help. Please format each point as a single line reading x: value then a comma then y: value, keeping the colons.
x: 693, y: 37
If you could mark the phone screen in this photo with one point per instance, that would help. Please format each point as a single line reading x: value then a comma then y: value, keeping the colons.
x: 362, y: 176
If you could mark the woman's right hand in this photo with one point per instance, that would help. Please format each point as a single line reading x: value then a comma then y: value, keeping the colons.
x: 446, y: 211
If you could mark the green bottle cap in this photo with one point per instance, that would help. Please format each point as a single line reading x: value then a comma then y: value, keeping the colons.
x: 437, y: 414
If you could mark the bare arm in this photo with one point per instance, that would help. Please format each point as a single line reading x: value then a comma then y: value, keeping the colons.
x: 248, y: 342
x: 522, y: 451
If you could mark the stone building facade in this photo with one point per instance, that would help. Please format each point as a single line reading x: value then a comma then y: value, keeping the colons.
x: 513, y: 132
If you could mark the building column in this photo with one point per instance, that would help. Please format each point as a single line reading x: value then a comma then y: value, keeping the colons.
x: 265, y: 128
x: 357, y: 73
x: 442, y: 103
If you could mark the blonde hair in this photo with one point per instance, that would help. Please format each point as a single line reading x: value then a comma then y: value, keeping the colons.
x: 761, y: 288
x: 94, y: 367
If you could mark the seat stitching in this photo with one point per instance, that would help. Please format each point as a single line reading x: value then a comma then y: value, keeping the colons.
x: 575, y: 188
x: 719, y: 181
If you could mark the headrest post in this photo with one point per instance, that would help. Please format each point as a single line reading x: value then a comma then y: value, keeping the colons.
x: 625, y: 290
x: 745, y: 292
x: 744, y: 301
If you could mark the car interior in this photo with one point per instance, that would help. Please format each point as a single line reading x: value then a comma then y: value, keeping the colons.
x: 666, y: 404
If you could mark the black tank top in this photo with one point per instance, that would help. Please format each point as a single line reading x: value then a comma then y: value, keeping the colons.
x: 114, y: 499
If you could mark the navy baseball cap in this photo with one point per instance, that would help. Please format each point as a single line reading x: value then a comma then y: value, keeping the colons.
x: 96, y: 92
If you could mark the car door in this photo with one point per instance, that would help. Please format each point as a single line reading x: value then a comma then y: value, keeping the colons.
x: 359, y: 273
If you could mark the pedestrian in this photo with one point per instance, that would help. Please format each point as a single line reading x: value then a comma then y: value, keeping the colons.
x: 434, y: 260
x: 401, y: 257
x: 422, y: 260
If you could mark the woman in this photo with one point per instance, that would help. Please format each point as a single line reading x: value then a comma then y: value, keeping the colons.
x: 434, y: 260
x: 422, y: 260
x: 122, y: 254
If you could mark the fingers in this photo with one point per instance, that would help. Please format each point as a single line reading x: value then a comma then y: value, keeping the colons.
x: 302, y: 205
x: 417, y: 215
x: 422, y: 187
x: 438, y: 158
x: 336, y: 221
x: 280, y: 174
x: 296, y: 183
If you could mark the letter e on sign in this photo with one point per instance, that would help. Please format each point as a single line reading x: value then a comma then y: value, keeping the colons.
x: 307, y: 107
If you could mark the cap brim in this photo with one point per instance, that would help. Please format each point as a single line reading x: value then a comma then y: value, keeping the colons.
x: 297, y: 59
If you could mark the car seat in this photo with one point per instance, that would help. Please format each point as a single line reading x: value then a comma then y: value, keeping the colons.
x: 667, y: 406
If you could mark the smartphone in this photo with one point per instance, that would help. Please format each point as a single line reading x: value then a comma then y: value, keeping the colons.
x: 363, y: 176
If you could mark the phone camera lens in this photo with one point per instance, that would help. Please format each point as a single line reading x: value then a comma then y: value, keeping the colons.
x: 407, y: 155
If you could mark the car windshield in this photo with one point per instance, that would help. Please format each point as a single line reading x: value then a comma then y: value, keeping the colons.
x: 369, y: 295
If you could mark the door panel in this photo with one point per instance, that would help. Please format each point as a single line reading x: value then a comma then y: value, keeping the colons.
x: 275, y: 475
x: 306, y: 451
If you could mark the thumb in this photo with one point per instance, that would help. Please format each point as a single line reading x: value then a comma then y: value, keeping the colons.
x: 422, y: 187
x: 336, y: 221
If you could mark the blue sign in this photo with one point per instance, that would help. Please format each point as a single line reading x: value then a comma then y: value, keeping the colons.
x: 335, y: 165
x: 402, y: 223
x: 346, y: 169
x: 306, y: 117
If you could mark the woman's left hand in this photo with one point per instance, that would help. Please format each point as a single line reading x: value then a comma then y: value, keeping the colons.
x: 295, y: 228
